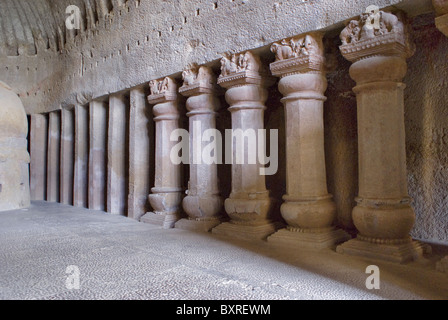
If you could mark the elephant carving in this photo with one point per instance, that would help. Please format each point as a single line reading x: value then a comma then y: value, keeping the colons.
x: 283, y: 50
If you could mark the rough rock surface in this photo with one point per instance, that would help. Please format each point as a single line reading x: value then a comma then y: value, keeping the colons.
x: 14, y: 157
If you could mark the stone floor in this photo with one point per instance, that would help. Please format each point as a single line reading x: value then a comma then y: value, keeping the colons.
x: 119, y: 258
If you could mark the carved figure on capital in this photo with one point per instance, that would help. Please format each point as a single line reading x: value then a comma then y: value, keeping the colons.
x: 235, y: 63
x: 297, y: 47
x: 198, y: 75
x: 377, y: 31
x: 190, y: 75
x: 351, y: 33
x: 370, y: 25
x: 284, y: 50
x: 157, y: 87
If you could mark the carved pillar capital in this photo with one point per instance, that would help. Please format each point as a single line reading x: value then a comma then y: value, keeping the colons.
x: 300, y: 64
x: 165, y: 99
x: 378, y: 52
x: 298, y: 55
x: 441, y: 7
x: 243, y: 69
x: 198, y: 80
x: 201, y: 88
x: 162, y: 90
x: 390, y: 37
x: 246, y: 80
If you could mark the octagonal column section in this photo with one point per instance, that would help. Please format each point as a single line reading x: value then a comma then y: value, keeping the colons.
x: 166, y: 196
x: 441, y: 7
x: 67, y: 156
x: 81, y: 157
x: 38, y: 154
x: 308, y: 208
x: 97, y: 155
x: 203, y: 203
x: 53, y: 157
x: 249, y: 204
x: 117, y: 173
x: 383, y: 214
x: 141, y: 148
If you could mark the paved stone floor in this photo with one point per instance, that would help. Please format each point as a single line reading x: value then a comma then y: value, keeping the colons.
x: 119, y: 258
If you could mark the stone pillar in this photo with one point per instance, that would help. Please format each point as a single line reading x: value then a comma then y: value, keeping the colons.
x: 97, y: 155
x: 166, y: 196
x: 383, y: 214
x: 308, y: 208
x: 249, y: 204
x: 81, y: 157
x: 38, y: 153
x: 203, y: 203
x: 67, y: 155
x: 141, y: 162
x: 117, y: 155
x: 441, y: 7
x: 53, y: 157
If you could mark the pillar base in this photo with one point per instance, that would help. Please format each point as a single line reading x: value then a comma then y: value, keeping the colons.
x: 196, y: 225
x: 165, y: 220
x: 249, y: 211
x: 399, y: 253
x: 295, y: 238
x: 442, y: 265
x: 247, y: 232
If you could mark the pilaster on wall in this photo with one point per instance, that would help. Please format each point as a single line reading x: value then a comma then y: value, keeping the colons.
x: 53, y: 157
x: 141, y: 154
x: 67, y: 155
x: 117, y: 154
x: 97, y: 155
x: 81, y: 157
x: 38, y: 154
